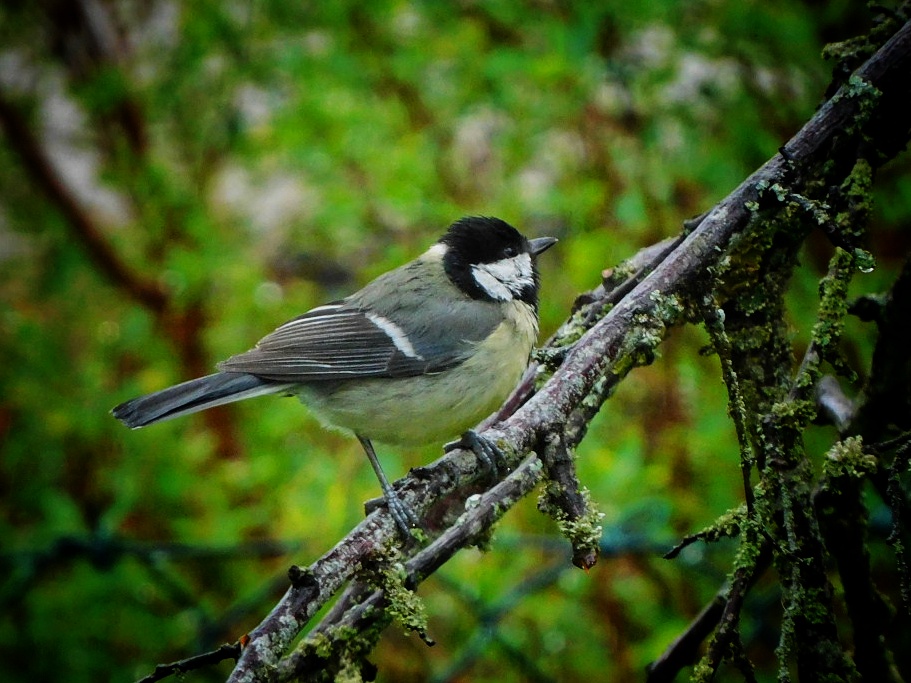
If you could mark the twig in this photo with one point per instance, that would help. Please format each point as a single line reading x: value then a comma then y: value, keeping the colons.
x: 565, y: 501
x: 897, y: 501
x: 726, y: 642
x: 713, y: 318
x: 809, y: 628
x: 162, y: 671
x: 726, y: 526
x: 843, y: 520
x: 685, y: 648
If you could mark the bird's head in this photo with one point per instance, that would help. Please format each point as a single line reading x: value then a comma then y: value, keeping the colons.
x: 489, y: 259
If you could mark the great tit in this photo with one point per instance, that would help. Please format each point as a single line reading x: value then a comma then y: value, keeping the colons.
x: 420, y: 354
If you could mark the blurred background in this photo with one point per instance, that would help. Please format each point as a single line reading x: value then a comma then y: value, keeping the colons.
x: 176, y: 179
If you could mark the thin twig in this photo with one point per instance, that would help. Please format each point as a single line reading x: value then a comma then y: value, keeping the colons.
x: 162, y: 671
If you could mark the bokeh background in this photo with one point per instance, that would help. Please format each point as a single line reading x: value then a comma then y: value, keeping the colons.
x: 176, y: 179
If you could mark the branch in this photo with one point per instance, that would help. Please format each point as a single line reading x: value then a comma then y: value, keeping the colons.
x: 749, y: 567
x: 838, y: 501
x: 477, y: 518
x: 685, y: 648
x: 162, y: 671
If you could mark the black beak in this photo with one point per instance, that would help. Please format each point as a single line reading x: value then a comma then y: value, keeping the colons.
x: 541, y: 244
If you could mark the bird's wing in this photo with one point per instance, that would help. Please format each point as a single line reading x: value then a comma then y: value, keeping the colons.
x: 342, y: 341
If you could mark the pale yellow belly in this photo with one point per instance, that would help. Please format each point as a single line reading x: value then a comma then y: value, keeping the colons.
x: 431, y: 408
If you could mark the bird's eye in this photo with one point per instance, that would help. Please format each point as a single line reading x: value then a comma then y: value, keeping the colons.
x: 509, y: 252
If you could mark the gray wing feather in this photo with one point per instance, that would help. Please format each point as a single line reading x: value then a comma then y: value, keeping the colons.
x: 372, y: 334
x: 325, y: 344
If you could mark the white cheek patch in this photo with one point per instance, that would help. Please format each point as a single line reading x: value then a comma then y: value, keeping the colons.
x: 396, y: 334
x: 505, y: 279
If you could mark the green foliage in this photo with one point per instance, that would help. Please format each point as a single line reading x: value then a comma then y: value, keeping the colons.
x: 288, y: 153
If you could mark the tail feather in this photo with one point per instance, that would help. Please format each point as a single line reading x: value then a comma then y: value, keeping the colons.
x: 193, y: 396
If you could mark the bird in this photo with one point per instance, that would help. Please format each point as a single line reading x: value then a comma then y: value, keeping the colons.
x: 420, y: 354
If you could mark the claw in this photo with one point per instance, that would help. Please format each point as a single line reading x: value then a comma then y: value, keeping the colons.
x: 487, y: 452
x: 404, y: 518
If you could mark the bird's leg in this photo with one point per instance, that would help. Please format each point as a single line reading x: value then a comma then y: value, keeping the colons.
x: 403, y: 516
x: 487, y: 452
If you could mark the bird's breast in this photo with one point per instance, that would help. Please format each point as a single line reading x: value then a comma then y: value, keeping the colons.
x: 434, y: 407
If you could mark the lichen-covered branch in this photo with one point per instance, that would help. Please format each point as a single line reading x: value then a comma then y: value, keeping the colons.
x: 808, y: 594
x: 370, y: 613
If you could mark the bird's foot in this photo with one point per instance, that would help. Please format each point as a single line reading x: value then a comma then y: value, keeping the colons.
x: 404, y: 516
x: 487, y: 452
